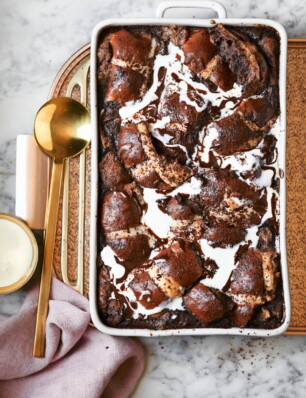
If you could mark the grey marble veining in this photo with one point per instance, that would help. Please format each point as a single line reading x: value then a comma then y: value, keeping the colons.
x: 8, y: 156
x: 7, y: 193
x: 224, y: 367
x: 11, y: 303
x: 37, y: 37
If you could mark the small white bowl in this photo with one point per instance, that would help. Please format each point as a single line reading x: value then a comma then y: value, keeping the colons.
x: 25, y: 278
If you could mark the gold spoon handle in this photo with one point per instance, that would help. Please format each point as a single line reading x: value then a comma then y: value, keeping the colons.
x: 45, y: 282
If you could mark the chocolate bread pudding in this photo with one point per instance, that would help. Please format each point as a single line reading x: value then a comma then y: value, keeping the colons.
x: 189, y: 177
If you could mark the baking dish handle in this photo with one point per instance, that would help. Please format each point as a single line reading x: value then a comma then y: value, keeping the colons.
x: 213, y: 5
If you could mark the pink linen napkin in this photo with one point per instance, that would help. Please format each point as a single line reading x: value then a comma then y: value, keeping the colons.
x: 79, y: 360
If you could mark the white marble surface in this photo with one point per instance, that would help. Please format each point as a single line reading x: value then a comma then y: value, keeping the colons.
x: 37, y: 36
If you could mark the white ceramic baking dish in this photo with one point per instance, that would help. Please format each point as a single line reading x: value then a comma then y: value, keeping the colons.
x: 159, y: 20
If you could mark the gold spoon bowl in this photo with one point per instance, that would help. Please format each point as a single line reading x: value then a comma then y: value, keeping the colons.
x: 62, y: 130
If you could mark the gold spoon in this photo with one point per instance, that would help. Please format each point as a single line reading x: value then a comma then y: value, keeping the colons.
x: 62, y: 130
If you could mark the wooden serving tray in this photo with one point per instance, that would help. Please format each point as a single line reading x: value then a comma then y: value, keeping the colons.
x: 295, y: 180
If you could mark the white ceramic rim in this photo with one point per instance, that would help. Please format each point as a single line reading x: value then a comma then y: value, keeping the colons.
x: 93, y: 295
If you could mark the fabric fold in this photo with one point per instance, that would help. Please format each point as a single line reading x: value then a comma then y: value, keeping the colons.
x: 79, y: 360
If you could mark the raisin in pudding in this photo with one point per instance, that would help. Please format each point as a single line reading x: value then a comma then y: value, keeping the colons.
x: 189, y: 177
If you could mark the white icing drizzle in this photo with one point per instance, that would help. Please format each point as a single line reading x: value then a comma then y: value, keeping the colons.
x: 160, y: 123
x: 165, y: 138
x: 230, y: 106
x: 242, y: 162
x: 264, y: 180
x: 155, y: 219
x: 268, y: 214
x: 183, y: 86
x: 170, y: 304
x: 207, y: 136
x: 224, y: 258
x: 144, y: 293
x: 173, y: 62
x: 228, y: 109
x: 192, y: 187
x: 108, y: 258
